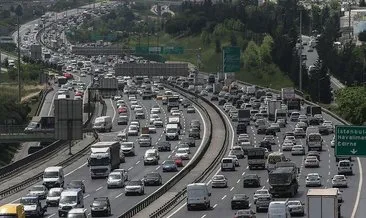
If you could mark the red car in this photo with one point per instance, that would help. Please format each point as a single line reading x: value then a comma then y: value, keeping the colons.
x: 178, y: 161
x: 79, y: 94
x: 68, y: 75
x: 122, y: 110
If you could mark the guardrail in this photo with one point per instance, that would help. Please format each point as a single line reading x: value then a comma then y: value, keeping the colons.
x: 9, y: 169
x: 163, y: 189
x: 43, y: 95
x: 181, y: 195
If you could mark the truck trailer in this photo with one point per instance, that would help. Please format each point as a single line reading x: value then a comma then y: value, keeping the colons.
x: 283, y: 181
x: 272, y: 106
x: 323, y: 203
x: 104, y: 158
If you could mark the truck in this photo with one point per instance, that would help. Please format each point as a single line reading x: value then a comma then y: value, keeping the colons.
x: 287, y: 94
x: 104, y: 158
x: 244, y: 116
x: 283, y: 181
x: 293, y: 105
x: 61, y: 80
x: 33, y: 206
x: 272, y: 106
x: 147, y: 94
x: 174, y: 120
x: 314, y: 141
x: 312, y: 110
x: 256, y: 158
x: 173, y: 101
x: 211, y: 78
x: 217, y: 87
x: 281, y: 114
x: 12, y: 210
x: 233, y: 88
x: 41, y: 124
x: 172, y: 132
x: 323, y: 203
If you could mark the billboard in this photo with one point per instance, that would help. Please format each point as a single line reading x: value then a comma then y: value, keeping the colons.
x: 151, y: 69
x: 69, y: 119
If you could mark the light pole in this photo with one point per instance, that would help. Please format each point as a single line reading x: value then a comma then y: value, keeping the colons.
x: 19, y: 12
x: 319, y: 87
x: 300, y: 70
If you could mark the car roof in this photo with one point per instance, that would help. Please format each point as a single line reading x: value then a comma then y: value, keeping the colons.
x: 77, y: 210
x: 51, y: 169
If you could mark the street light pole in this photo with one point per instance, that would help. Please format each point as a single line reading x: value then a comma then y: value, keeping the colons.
x: 19, y: 86
x: 300, y: 70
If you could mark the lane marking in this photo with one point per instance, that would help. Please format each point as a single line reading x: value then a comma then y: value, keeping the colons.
x: 114, y: 110
x: 71, y: 172
x: 231, y: 188
x: 99, y: 188
x: 138, y: 162
x: 204, y: 215
x: 223, y: 197
x: 157, y: 168
x: 130, y: 168
x: 358, y: 190
x: 238, y: 181
x: 215, y: 206
x: 119, y: 195
x: 86, y: 196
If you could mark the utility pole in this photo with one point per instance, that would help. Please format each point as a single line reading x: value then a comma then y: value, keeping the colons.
x: 300, y: 70
x: 19, y: 12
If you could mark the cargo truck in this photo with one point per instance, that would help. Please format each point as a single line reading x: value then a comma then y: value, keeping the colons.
x: 256, y: 158
x: 41, y: 124
x: 283, y: 180
x: 12, y: 210
x: 244, y: 116
x: 104, y: 158
x: 272, y: 106
x: 287, y: 94
x: 173, y: 101
x: 323, y: 203
x: 293, y: 105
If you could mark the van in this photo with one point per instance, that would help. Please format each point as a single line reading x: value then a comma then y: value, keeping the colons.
x: 198, y: 195
x: 151, y: 157
x: 172, y: 132
x: 70, y: 199
x: 345, y: 167
x: 53, y: 177
x: 103, y: 124
x: 278, y: 209
x: 77, y: 213
x: 227, y: 163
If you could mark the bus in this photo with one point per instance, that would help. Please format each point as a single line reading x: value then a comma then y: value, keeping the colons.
x: 273, y: 159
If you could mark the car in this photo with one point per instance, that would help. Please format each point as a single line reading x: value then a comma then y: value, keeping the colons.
x: 144, y: 140
x: 122, y: 110
x: 296, y: 208
x: 240, y: 201
x: 291, y: 137
x: 140, y: 115
x: 190, y: 141
x: 115, y: 180
x: 178, y: 161
x: 323, y: 130
x: 332, y: 143
x: 319, y: 117
x: 302, y: 125
x: 135, y: 187
x: 169, y: 166
x: 100, y: 206
x: 38, y: 190
x: 124, y: 173
x: 158, y: 123
x: 237, y: 151
x: 76, y: 184
x: 128, y: 148
x: 298, y: 150
x: 275, y: 126
x: 152, y: 129
x: 281, y: 123
x: 287, y: 145
x: 133, y: 130
x: 122, y: 120
x: 153, y: 117
x: 191, y: 109
x: 315, y: 154
x: 270, y: 138
x: 266, y: 144
x: 185, y: 146
x: 262, y: 203
x: 313, y: 179
x: 155, y: 111
x: 194, y: 132
x: 251, y: 180
x: 164, y: 146
x: 153, y: 178
x: 182, y: 153
x: 53, y: 196
x: 261, y: 129
x: 237, y: 164
x: 261, y: 193
x: 329, y: 126
x: 311, y: 162
x: 245, y: 214
x: 299, y: 133
x: 219, y: 181
x: 339, y: 181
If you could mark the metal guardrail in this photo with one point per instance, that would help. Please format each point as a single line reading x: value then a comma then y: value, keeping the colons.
x: 43, y: 94
x: 182, y: 194
x: 163, y: 189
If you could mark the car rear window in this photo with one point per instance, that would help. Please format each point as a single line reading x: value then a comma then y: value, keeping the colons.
x: 227, y: 160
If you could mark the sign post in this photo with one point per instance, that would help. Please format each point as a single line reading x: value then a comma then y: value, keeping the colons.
x: 350, y: 141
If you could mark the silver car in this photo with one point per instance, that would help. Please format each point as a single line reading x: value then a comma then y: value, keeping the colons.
x: 219, y: 181
x: 313, y: 179
x: 115, y: 180
x: 339, y: 181
x: 311, y: 161
x: 38, y: 190
x: 298, y: 150
x: 296, y: 207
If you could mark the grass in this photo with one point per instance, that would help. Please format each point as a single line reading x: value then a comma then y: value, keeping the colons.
x: 210, y: 60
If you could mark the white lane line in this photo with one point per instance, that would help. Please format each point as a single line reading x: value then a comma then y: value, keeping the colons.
x: 51, y: 215
x: 114, y: 110
x: 238, y: 181
x: 358, y: 190
x: 157, y: 168
x: 118, y: 195
x: 129, y: 168
x: 243, y: 173
x: 86, y: 196
x: 231, y: 188
x: 204, y: 215
x: 138, y: 162
x: 223, y: 197
x: 169, y: 156
x: 76, y: 169
x: 215, y: 206
x: 99, y: 188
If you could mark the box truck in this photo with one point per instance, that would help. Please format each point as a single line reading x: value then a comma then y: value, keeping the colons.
x: 323, y: 203
x: 104, y: 158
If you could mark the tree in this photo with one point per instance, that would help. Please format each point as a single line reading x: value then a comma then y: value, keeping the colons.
x: 218, y: 45
x: 319, y: 86
x: 362, y: 3
x: 351, y: 103
x: 362, y: 36
x: 251, y: 56
x: 265, y: 49
x: 233, y: 39
x: 205, y: 37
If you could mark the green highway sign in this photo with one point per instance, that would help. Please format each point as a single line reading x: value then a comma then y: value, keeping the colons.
x: 350, y: 141
x: 158, y: 50
x: 231, y: 59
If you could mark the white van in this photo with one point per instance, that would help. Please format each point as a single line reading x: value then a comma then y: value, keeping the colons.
x: 53, y: 177
x: 172, y: 132
x: 103, y: 124
x: 227, y: 163
x: 345, y: 167
x: 198, y: 195
x: 70, y: 199
x: 151, y: 157
x: 78, y: 213
x: 278, y: 209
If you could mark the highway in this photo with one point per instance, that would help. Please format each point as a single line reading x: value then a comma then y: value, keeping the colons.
x: 221, y: 198
x: 96, y: 188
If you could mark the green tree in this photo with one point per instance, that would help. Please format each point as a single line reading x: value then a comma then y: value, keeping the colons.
x: 319, y: 86
x: 233, y: 39
x: 205, y: 37
x: 217, y: 45
x: 6, y: 62
x: 266, y: 49
x: 351, y: 104
x: 251, y: 56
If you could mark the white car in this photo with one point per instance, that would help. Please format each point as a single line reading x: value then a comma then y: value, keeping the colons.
x: 152, y: 129
x: 153, y: 117
x: 329, y: 126
x: 311, y: 161
x: 237, y: 164
x: 313, y: 179
x: 261, y: 193
x: 298, y: 150
x: 135, y: 186
x: 238, y: 151
x: 182, y: 153
x: 339, y: 181
x: 332, y: 143
x: 287, y: 145
x: 219, y: 181
x: 158, y: 123
x: 133, y: 130
x: 154, y: 111
x: 292, y: 138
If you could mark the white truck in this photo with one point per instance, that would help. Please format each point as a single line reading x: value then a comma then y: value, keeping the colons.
x: 287, y: 94
x: 172, y: 132
x: 103, y: 124
x: 323, y: 203
x: 198, y: 195
x: 104, y: 158
x: 314, y: 141
x: 272, y: 106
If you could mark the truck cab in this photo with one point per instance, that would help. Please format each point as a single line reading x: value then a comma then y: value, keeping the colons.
x: 33, y: 206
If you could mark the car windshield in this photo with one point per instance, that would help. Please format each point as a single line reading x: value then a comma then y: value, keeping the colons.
x: 195, y: 193
x: 169, y: 162
x: 50, y: 174
x: 54, y: 193
x: 127, y: 145
x: 171, y: 130
x: 261, y: 192
x: 293, y: 203
x: 181, y: 151
x: 313, y: 177
x: 152, y: 175
x: 344, y: 164
x: 115, y: 176
x: 68, y: 199
x: 75, y: 183
x: 338, y: 177
x: 28, y: 201
x: 37, y: 188
x: 98, y: 203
